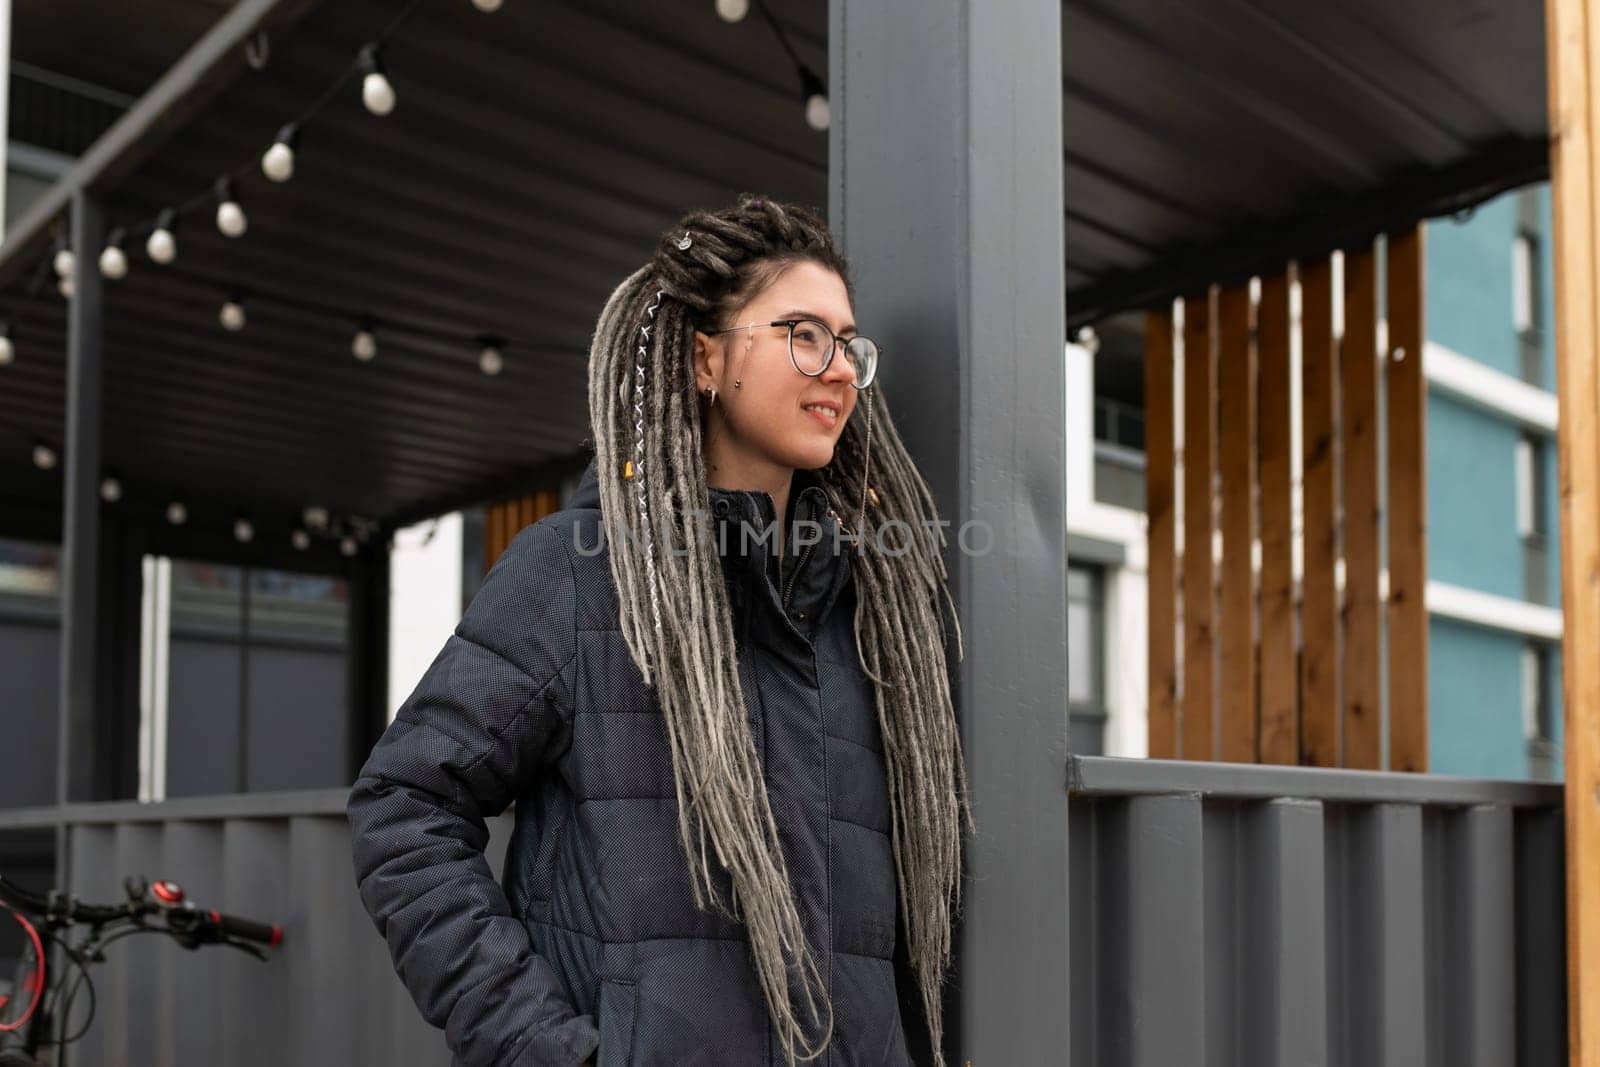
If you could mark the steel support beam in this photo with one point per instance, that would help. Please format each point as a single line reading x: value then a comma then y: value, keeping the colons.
x: 946, y: 189
x: 80, y: 524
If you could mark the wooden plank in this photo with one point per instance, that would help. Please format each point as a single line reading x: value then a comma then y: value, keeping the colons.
x: 1319, y: 612
x: 1236, y: 464
x: 1408, y: 507
x: 1280, y: 699
x: 1363, y: 625
x: 1573, y: 33
x: 1162, y: 572
x: 1199, y: 586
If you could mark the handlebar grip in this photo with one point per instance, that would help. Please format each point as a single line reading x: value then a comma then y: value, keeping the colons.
x: 269, y: 934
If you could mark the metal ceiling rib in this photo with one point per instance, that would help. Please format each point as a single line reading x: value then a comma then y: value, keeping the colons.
x: 532, y: 159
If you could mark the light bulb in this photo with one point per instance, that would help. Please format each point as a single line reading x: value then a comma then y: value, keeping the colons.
x: 231, y: 219
x: 162, y: 246
x: 377, y: 94
x: 348, y: 546
x: 301, y: 539
x: 64, y: 262
x: 489, y: 6
x: 177, y: 514
x: 316, y: 517
x: 365, y: 345
x: 490, y: 361
x: 114, y: 262
x: 817, y: 111
x: 733, y: 10
x: 278, y: 161
x: 8, y: 349
x: 232, y: 316
x: 243, y: 531
x: 44, y: 457
x: 65, y: 287
x: 110, y: 490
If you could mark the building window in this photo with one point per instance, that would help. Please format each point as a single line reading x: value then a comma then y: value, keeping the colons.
x: 1085, y: 661
x: 1119, y: 412
x: 1532, y: 524
x: 1538, y: 727
x: 1527, y: 288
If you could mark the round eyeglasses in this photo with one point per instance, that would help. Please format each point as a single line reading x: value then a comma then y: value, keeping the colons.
x: 812, y: 345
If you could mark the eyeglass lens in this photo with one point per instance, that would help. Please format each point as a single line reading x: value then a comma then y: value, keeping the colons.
x: 811, y: 343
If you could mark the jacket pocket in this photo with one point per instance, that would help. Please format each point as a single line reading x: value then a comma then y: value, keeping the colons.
x: 618, y: 1000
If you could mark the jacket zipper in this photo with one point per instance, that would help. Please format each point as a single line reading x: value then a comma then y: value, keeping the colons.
x: 794, y: 575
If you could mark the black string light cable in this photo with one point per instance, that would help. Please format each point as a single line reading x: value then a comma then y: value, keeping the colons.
x: 812, y: 89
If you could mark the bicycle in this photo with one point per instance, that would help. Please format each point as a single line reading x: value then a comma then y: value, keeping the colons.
x: 38, y: 1002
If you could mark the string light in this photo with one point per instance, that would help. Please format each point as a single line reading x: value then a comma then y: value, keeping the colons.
x: 231, y: 218
x: 243, y: 531
x: 487, y: 6
x: 163, y: 245
x: 490, y: 359
x: 364, y: 346
x: 348, y: 546
x: 733, y: 10
x: 300, y: 539
x: 110, y: 489
x: 66, y: 287
x: 44, y: 457
x: 278, y: 161
x: 816, y: 97
x: 316, y: 517
x: 177, y: 513
x: 376, y: 92
x: 113, y: 260
x: 232, y: 315
x: 64, y: 259
x: 8, y: 347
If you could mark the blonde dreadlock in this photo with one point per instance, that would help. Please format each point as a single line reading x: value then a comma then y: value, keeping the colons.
x: 676, y: 619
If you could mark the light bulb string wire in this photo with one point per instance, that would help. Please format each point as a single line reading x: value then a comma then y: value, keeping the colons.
x: 805, y: 72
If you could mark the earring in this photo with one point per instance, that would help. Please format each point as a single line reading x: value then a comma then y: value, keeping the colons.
x: 738, y: 383
x: 711, y: 391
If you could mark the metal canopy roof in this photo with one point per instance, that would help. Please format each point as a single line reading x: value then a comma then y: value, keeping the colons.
x: 534, y: 156
x: 1206, y: 139
x: 536, y: 152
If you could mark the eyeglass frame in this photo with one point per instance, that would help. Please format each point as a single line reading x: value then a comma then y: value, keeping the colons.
x: 839, y: 344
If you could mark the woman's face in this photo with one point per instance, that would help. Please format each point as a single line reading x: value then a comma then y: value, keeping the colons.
x: 764, y: 424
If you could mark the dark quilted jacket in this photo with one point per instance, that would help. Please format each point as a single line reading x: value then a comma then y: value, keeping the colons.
x: 591, y: 943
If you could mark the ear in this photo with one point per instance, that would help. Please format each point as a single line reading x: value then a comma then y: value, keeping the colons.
x: 708, y: 362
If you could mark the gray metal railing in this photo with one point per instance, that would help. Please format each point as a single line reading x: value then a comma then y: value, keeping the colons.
x: 1221, y: 916
x: 1229, y: 916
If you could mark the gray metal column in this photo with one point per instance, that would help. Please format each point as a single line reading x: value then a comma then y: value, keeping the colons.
x: 80, y: 530
x: 946, y: 188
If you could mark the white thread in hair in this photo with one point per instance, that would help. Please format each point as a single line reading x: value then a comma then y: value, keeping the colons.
x: 639, y: 470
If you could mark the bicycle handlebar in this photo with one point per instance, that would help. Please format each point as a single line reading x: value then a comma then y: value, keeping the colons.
x: 163, y: 898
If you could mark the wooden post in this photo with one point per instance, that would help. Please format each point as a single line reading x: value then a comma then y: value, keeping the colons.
x: 1363, y: 626
x: 1199, y: 588
x: 1235, y: 455
x: 1573, y: 45
x: 1280, y: 702
x: 1162, y: 587
x: 1408, y: 507
x: 1319, y: 692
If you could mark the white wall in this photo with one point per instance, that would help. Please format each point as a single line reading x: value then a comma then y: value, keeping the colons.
x: 1126, y: 641
x: 424, y: 600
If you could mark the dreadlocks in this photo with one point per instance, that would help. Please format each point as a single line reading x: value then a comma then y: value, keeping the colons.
x: 676, y: 620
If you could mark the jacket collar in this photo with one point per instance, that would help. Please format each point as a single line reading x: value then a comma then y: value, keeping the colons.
x: 742, y: 521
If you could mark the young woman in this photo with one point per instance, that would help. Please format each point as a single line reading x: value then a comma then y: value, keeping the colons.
x: 716, y: 687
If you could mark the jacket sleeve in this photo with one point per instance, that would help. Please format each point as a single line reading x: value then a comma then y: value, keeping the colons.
x: 468, y: 740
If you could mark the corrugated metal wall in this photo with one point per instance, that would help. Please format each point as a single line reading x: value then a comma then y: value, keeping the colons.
x: 328, y: 995
x: 1229, y: 916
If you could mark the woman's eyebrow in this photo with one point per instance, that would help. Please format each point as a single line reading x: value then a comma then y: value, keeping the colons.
x: 802, y: 313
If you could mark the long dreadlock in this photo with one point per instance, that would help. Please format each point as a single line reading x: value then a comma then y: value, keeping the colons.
x: 676, y: 619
